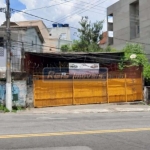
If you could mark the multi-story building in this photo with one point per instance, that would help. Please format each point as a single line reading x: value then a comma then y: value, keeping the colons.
x: 23, y: 39
x: 60, y: 35
x: 54, y: 37
x: 129, y: 21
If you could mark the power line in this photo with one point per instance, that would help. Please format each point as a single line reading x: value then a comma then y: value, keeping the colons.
x: 66, y: 4
x: 83, y: 10
x: 41, y: 17
x: 45, y: 7
x: 61, y: 4
x: 131, y: 41
x: 88, y: 52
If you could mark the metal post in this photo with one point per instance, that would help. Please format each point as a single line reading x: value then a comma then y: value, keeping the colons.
x: 8, y: 59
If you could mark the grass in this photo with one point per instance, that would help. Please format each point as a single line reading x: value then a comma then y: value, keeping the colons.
x: 3, y: 108
x: 14, y: 108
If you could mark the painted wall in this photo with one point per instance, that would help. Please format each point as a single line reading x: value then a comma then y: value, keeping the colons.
x: 19, y: 92
x: 59, y: 36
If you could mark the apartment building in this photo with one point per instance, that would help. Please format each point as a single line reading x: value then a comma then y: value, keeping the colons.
x: 129, y: 21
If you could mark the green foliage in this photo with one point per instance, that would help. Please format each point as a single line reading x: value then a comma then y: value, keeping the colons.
x: 14, y: 108
x: 91, y: 33
x: 3, y: 108
x: 65, y: 48
x: 110, y: 49
x: 140, y: 60
x: 89, y: 36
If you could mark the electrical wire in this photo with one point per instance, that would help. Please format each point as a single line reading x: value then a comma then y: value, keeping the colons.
x: 63, y: 3
x: 40, y: 17
x: 83, y: 10
x: 45, y: 6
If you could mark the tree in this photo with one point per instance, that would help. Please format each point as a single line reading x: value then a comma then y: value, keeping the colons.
x: 65, y: 48
x: 89, y: 36
x: 139, y: 58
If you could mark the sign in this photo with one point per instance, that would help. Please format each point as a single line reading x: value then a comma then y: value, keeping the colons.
x: 83, y: 68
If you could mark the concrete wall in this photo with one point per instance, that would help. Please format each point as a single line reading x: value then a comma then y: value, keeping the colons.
x: 56, y: 32
x: 121, y: 23
x: 57, y: 43
x: 31, y: 36
x: 59, y: 36
x: 43, y: 29
x: 19, y: 93
x: 30, y: 39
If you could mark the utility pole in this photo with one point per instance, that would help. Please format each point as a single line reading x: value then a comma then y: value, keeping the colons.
x: 8, y: 59
x: 22, y: 57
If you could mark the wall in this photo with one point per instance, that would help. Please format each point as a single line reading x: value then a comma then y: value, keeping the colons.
x: 56, y: 40
x: 121, y: 23
x: 32, y: 37
x: 56, y: 32
x: 19, y: 92
x: 43, y: 29
x: 3, y: 64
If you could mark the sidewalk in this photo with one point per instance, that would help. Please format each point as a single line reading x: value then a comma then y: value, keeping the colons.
x: 96, y: 108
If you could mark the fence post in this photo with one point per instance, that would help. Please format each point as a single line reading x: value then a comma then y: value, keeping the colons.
x: 142, y: 94
x: 73, y: 90
x: 107, y: 88
x: 125, y: 77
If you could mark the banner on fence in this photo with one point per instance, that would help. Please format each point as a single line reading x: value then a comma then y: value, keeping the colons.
x: 83, y: 68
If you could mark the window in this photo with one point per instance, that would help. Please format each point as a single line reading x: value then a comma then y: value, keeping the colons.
x: 1, y: 42
x: 134, y: 20
x: 110, y: 30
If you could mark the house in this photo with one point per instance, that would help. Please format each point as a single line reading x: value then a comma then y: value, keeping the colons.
x: 129, y: 21
x: 42, y: 30
x: 72, y: 78
x: 53, y: 37
x: 104, y: 41
x: 60, y: 35
x: 23, y: 38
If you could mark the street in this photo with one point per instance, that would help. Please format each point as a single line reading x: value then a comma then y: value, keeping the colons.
x: 85, y: 131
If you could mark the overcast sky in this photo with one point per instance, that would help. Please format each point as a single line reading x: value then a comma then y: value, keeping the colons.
x: 64, y: 11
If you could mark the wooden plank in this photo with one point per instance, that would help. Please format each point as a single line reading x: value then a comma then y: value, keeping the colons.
x: 107, y: 88
x: 125, y: 76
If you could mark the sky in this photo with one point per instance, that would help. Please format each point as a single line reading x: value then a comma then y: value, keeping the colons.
x: 63, y: 11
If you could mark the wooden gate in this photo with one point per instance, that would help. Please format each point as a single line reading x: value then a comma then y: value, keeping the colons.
x: 76, y: 91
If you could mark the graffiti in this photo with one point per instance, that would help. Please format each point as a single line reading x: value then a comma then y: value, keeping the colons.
x: 2, y: 92
x: 19, y: 92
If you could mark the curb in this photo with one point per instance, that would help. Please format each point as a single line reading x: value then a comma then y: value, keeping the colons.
x: 117, y: 110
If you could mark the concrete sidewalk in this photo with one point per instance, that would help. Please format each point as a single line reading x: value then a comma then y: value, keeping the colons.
x: 96, y: 108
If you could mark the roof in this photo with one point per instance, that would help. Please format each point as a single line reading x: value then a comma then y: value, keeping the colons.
x: 15, y: 25
x: 29, y: 23
x: 101, y: 57
x: 104, y: 39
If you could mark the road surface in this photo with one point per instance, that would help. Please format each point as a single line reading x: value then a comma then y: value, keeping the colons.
x: 95, y: 131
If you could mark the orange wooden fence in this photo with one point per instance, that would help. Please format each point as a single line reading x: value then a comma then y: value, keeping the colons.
x: 85, y: 91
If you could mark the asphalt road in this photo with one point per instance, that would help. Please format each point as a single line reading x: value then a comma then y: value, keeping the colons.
x: 101, y: 131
